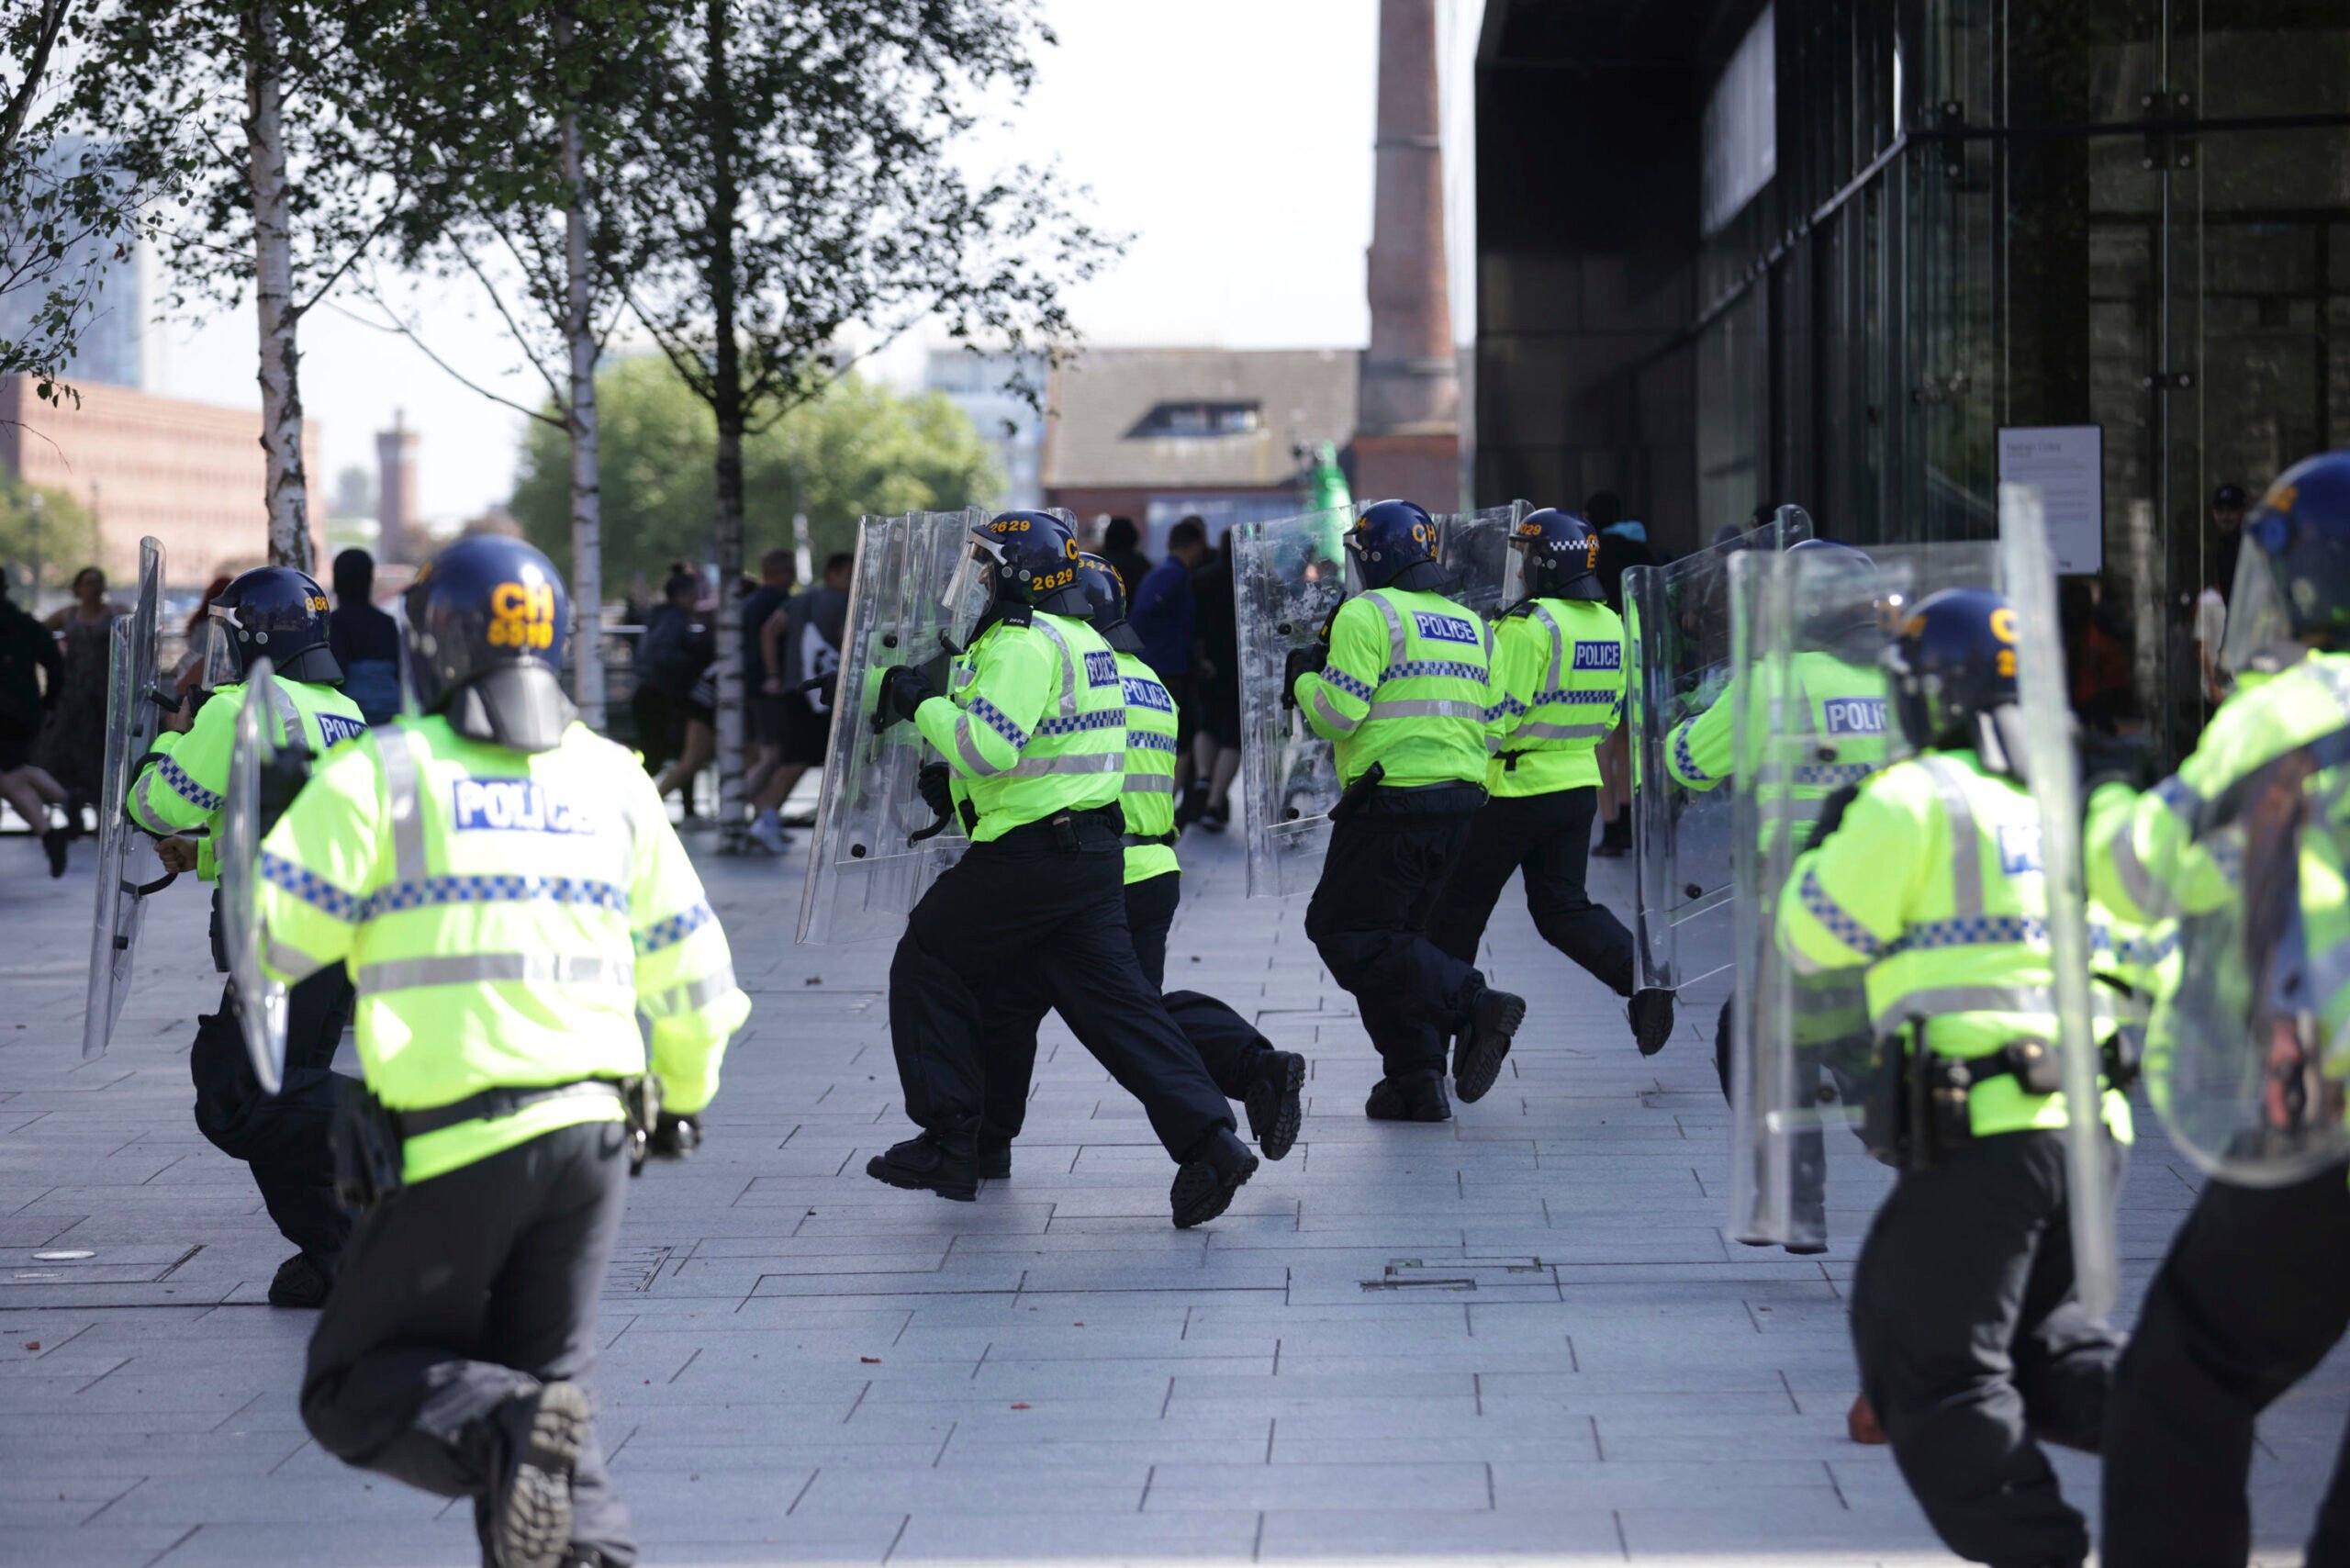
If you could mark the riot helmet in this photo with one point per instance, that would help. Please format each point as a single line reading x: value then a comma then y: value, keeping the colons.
x: 1952, y: 664
x: 1552, y: 555
x: 1843, y: 607
x: 1392, y: 545
x: 1018, y: 560
x: 275, y: 613
x: 484, y: 624
x: 2292, y: 583
x: 1105, y: 603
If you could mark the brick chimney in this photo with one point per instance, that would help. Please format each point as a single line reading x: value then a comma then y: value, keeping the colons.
x: 1408, y: 442
x: 397, y: 531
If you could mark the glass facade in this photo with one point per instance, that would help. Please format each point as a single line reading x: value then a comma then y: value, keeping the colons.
x: 2133, y: 214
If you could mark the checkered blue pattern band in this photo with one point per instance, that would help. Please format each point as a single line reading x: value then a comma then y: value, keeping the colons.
x: 1412, y: 669
x: 1971, y: 931
x: 1108, y: 719
x: 1686, y: 762
x: 1150, y: 740
x: 1577, y: 699
x: 187, y: 789
x: 676, y: 928
x: 2145, y: 951
x: 498, y: 888
x: 995, y: 718
x: 310, y: 887
x: 1347, y: 684
x: 1831, y: 774
x: 1831, y: 914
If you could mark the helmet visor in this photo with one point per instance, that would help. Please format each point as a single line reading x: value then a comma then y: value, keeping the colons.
x: 1356, y: 582
x: 1517, y: 571
x: 2259, y: 624
x: 969, y: 593
x: 223, y: 665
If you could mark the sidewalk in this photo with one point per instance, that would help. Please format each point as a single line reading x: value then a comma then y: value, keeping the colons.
x: 1517, y: 1337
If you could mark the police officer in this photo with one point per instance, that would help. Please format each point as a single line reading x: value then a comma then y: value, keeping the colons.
x: 280, y: 614
x: 1244, y: 1064
x: 2256, y: 1288
x: 1557, y: 692
x: 1399, y: 684
x: 1972, y: 1342
x: 507, y: 892
x: 1033, y: 733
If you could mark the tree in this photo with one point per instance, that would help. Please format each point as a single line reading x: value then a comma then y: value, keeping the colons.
x: 46, y: 532
x: 799, y: 183
x: 859, y: 448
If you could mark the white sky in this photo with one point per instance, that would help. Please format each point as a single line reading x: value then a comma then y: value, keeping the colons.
x: 1231, y: 138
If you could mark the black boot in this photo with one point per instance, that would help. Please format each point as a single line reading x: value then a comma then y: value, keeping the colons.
x: 943, y: 1163
x: 1651, y: 1015
x: 1218, y: 1167
x: 995, y: 1159
x: 1274, y: 1112
x: 1414, y: 1097
x: 302, y: 1281
x: 1616, y: 838
x: 1477, y: 1056
x: 1187, y: 808
x: 54, y: 842
x: 530, y: 1511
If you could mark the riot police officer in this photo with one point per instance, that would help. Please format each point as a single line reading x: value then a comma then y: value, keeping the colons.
x: 1557, y: 692
x: 1399, y: 685
x: 1033, y: 733
x: 1972, y: 1342
x: 1244, y: 1064
x: 2257, y: 1287
x: 280, y: 614
x: 509, y: 895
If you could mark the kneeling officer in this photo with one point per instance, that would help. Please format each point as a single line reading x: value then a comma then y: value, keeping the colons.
x: 507, y: 893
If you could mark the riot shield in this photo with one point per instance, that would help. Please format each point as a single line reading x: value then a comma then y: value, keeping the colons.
x: 2028, y: 567
x: 1809, y: 714
x: 236, y: 851
x: 128, y: 869
x: 1474, y: 549
x: 877, y: 846
x: 1676, y: 621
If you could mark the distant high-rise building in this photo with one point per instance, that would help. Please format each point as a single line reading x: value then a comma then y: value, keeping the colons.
x: 111, y: 333
x: 398, y: 530
x: 975, y: 384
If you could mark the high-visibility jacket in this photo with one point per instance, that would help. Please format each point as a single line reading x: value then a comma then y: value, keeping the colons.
x: 185, y: 786
x: 1932, y: 880
x: 1830, y: 732
x: 1408, y: 685
x: 1558, y: 691
x: 1034, y: 722
x: 1149, y: 798
x: 505, y: 915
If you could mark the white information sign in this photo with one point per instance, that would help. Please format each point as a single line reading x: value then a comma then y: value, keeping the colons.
x: 2066, y: 464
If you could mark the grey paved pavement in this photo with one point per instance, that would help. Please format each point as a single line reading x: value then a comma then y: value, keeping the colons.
x: 1516, y: 1338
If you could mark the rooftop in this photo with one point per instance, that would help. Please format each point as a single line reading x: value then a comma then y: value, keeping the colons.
x: 1225, y: 418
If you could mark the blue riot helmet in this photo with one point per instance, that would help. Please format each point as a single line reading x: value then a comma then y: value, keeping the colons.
x: 485, y: 625
x: 1552, y: 555
x: 2292, y: 587
x: 1952, y: 662
x: 1105, y: 603
x: 1840, y: 606
x: 1392, y: 545
x: 275, y: 613
x: 1018, y: 561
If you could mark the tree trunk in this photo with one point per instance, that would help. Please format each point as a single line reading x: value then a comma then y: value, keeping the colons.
x: 281, y: 386
x: 727, y: 404
x: 586, y: 484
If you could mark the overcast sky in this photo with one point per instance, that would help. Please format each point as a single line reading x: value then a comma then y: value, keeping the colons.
x: 1231, y: 138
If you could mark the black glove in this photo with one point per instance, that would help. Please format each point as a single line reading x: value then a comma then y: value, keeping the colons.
x: 1832, y: 815
x: 282, y: 778
x: 932, y: 781
x: 903, y: 688
x: 1315, y: 656
x: 674, y: 1136
x: 2111, y: 760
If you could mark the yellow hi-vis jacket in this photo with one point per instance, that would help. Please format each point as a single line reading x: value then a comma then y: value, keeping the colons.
x: 1151, y: 756
x: 186, y: 784
x: 1558, y: 691
x: 1407, y: 686
x: 505, y: 915
x: 1034, y: 722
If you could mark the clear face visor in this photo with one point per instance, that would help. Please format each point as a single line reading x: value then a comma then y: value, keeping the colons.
x: 223, y: 665
x: 1352, y: 551
x: 969, y: 593
x: 1517, y: 571
x: 2260, y: 623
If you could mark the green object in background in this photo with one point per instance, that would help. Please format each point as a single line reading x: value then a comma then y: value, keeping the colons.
x: 1327, y: 489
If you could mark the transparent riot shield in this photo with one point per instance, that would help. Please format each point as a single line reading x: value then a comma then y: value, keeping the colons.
x: 1676, y: 621
x: 1474, y: 549
x: 260, y: 1000
x: 128, y: 869
x: 1809, y: 714
x: 877, y: 846
x: 2029, y: 569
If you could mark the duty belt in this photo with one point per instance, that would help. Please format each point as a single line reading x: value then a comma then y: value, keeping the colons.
x: 1064, y: 829
x: 1143, y: 840
x: 491, y: 1104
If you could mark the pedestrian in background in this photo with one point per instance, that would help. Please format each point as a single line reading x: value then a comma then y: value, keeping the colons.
x: 1164, y: 613
x: 1216, y: 743
x: 364, y: 640
x: 1122, y: 547
x: 1621, y: 544
x: 762, y: 603
x: 665, y: 670
x: 801, y: 642
x: 73, y: 740
x: 31, y: 672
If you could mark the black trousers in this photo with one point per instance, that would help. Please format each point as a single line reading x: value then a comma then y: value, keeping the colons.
x: 1974, y: 1348
x: 1369, y: 919
x: 2255, y: 1292
x: 1548, y: 837
x: 1228, y: 1044
x: 282, y: 1137
x: 458, y: 1294
x: 1023, y: 913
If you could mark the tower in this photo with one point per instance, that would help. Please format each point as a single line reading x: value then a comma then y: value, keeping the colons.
x: 396, y: 520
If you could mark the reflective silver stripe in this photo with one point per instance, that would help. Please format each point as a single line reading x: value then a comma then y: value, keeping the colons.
x: 1965, y: 841
x: 1068, y: 666
x: 287, y: 959
x: 1565, y: 732
x: 690, y: 997
x: 402, y: 798
x: 1427, y: 708
x: 1332, y: 717
x: 1037, y: 767
x: 1558, y: 648
x: 480, y: 968
x: 2150, y: 897
x: 1150, y: 783
x: 289, y: 715
x: 967, y: 747
x: 1496, y: 743
x: 1965, y: 999
x: 1395, y: 628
